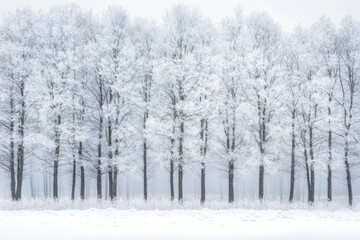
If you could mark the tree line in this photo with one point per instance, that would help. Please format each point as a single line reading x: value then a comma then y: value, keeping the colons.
x: 103, y: 94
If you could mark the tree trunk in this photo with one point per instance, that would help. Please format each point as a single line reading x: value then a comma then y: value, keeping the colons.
x: 292, y: 167
x: 20, y: 169
x: 230, y: 167
x: 82, y: 172
x: 329, y: 168
x: 57, y: 155
x: 231, y: 182
x: 312, y: 172
x: 111, y: 188
x: 203, y: 186
x: 115, y: 182
x: 347, y: 169
x: 98, y: 173
x: 172, y: 153
x: 110, y: 154
x: 261, y: 181
x: 12, y: 151
x: 180, y: 166
x: 145, y: 169
x: 146, y: 115
x: 100, y: 137
x: 98, y: 167
x: 74, y: 148
x: 203, y: 150
x: 261, y: 104
x: 20, y: 156
x: 73, y: 184
x: 308, y: 179
x: 172, y: 192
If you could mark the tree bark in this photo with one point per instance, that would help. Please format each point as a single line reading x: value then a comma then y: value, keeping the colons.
x: 57, y: 155
x: 98, y: 168
x: 203, y: 150
x: 73, y: 183
x: 82, y: 172
x: 261, y: 181
x: 231, y: 181
x: 20, y: 154
x: 100, y: 137
x: 180, y: 166
x: 292, y: 167
x: 262, y: 139
x: 329, y: 167
x: 115, y: 181
x: 347, y: 169
x: 172, y: 192
x: 110, y: 155
x: 172, y: 152
x: 230, y: 166
x: 145, y: 169
x: 312, y: 172
x: 12, y: 150
x: 146, y: 115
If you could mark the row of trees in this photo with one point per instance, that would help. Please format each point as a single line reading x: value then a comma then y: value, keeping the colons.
x: 101, y: 95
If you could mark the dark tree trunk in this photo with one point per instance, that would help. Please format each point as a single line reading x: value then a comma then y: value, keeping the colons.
x: 82, y: 172
x: 98, y: 167
x: 329, y: 183
x: 203, y: 150
x: 73, y: 183
x: 329, y: 168
x: 308, y: 177
x: 20, y: 156
x: 147, y: 97
x: 261, y: 182
x: 12, y: 151
x: 292, y: 167
x: 231, y: 181
x: 180, y: 166
x: 180, y: 118
x: 203, y: 185
x: 82, y: 182
x: 145, y: 169
x: 348, y: 87
x: 74, y: 148
x: 262, y: 139
x: 111, y: 188
x: 347, y: 169
x: 230, y: 166
x: 55, y: 180
x: 172, y: 192
x: 115, y: 181
x: 99, y: 173
x: 172, y: 153
x: 145, y: 183
x: 100, y: 137
x: 311, y: 196
x: 57, y: 155
x: 20, y: 169
x: 115, y: 166
x: 110, y: 155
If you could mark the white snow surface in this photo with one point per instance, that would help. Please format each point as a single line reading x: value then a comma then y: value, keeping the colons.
x: 178, y: 223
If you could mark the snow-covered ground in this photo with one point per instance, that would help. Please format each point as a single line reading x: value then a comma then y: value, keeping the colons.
x: 205, y: 223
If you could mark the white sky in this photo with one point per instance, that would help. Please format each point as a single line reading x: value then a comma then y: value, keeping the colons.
x: 288, y: 13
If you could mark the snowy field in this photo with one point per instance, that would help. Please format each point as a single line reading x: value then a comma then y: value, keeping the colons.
x: 150, y: 221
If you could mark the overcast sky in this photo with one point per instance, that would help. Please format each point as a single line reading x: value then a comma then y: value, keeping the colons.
x: 288, y: 13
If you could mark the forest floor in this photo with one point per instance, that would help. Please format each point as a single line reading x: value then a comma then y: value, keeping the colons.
x: 24, y: 221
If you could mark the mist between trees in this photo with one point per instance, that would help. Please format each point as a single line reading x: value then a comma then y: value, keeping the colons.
x: 240, y: 108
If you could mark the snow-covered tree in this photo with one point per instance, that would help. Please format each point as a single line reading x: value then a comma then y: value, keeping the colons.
x: 262, y: 63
